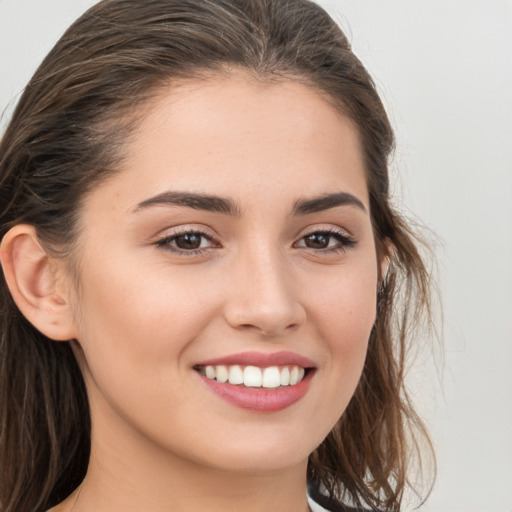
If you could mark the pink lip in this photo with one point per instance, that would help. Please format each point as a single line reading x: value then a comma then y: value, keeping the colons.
x: 259, y: 399
x: 261, y: 360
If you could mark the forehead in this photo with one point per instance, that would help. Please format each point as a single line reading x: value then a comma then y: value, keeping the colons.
x: 233, y: 135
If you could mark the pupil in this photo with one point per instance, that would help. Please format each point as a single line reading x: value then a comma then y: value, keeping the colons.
x: 317, y: 241
x: 189, y: 241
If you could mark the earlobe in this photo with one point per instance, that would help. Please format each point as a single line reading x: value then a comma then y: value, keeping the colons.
x: 33, y: 280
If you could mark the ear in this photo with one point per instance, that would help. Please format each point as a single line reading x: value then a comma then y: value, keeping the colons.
x: 386, y: 254
x: 37, y: 283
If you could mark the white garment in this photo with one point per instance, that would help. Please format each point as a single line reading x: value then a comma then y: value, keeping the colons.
x: 315, y: 507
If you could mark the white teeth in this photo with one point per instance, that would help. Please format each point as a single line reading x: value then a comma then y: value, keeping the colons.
x: 236, y: 375
x: 294, y: 376
x: 271, y: 377
x: 253, y: 377
x: 210, y: 372
x: 285, y: 376
x: 221, y: 373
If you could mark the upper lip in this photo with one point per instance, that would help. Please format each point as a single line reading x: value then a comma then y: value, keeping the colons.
x: 261, y: 359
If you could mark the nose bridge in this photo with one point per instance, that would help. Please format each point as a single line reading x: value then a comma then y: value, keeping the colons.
x: 264, y: 295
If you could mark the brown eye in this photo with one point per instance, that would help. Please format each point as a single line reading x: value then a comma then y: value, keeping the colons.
x: 326, y: 241
x: 189, y: 241
x: 317, y: 240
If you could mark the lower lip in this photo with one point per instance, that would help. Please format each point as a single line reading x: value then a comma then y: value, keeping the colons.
x: 260, y: 399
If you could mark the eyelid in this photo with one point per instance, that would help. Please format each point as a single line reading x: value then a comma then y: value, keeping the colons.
x: 346, y: 239
x: 164, y: 241
x: 325, y: 228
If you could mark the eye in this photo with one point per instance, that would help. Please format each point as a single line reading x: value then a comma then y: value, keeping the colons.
x: 187, y: 242
x: 326, y: 240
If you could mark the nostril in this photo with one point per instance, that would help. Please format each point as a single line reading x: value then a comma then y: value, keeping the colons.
x: 269, y: 311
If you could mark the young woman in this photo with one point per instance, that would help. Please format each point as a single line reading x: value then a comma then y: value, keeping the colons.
x: 202, y: 303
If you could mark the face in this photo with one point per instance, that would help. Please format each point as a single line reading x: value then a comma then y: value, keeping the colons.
x: 235, y: 243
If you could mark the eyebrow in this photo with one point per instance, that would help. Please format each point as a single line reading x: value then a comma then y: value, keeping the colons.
x: 196, y: 201
x: 227, y: 206
x: 325, y: 202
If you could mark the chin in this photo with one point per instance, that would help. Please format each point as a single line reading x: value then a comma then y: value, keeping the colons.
x: 263, y: 452
x: 262, y: 462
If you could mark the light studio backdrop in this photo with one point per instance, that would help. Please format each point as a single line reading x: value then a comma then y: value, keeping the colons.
x: 444, y: 69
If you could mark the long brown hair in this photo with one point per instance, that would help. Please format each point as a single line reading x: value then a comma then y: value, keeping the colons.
x: 67, y: 134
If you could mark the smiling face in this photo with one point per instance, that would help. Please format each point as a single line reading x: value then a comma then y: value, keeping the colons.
x: 235, y: 243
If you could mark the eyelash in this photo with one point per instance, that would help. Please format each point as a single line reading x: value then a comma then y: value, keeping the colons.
x: 344, y: 240
x: 168, y: 240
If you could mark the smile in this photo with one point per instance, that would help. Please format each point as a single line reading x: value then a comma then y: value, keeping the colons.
x: 262, y: 383
x: 271, y: 377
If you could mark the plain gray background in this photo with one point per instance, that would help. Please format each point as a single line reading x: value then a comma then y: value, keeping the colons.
x: 444, y: 69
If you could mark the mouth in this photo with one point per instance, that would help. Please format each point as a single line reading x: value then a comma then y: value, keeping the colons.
x: 258, y: 382
x: 270, y: 377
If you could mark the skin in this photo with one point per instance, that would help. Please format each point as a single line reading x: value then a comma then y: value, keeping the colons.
x: 145, y: 315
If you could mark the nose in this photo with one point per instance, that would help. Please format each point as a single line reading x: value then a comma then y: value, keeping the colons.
x: 263, y: 297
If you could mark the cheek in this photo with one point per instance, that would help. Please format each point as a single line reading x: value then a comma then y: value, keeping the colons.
x: 343, y: 312
x: 134, y: 330
x: 133, y: 297
x: 131, y: 321
x: 345, y: 304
